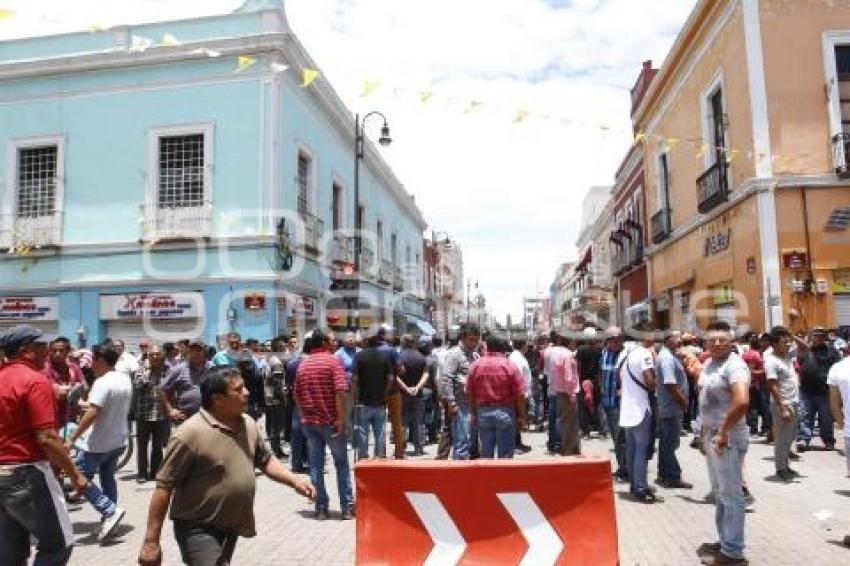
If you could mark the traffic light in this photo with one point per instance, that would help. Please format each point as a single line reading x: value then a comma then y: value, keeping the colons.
x: 344, y: 279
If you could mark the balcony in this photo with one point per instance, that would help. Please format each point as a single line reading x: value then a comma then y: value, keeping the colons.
x: 398, y: 280
x: 313, y: 228
x: 30, y: 232
x: 367, y: 257
x: 712, y: 187
x: 385, y: 271
x: 341, y: 249
x: 661, y: 225
x: 841, y: 154
x: 176, y: 222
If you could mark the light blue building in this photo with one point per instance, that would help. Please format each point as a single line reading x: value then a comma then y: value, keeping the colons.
x: 175, y: 179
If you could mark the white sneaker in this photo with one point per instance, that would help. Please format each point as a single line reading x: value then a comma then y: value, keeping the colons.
x: 109, y: 524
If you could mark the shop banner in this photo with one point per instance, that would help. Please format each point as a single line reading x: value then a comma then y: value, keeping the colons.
x: 23, y: 309
x: 841, y: 281
x: 132, y: 306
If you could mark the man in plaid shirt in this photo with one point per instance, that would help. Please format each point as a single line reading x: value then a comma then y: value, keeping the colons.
x: 610, y: 385
x: 151, y: 417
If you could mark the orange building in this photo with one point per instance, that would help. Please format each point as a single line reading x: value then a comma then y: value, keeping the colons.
x: 746, y: 140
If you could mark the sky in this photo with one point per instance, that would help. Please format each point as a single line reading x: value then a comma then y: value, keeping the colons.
x: 526, y: 105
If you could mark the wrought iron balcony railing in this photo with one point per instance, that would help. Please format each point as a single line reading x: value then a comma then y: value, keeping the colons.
x: 30, y: 232
x: 841, y: 154
x: 661, y: 225
x: 176, y: 222
x: 713, y: 187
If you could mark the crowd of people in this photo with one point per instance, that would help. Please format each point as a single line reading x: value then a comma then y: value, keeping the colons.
x: 196, y: 410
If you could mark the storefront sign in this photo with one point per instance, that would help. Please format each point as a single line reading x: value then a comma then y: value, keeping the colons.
x: 795, y: 260
x: 254, y: 302
x: 23, y: 309
x: 841, y: 281
x: 716, y: 243
x: 751, y: 265
x: 151, y: 305
x: 304, y: 306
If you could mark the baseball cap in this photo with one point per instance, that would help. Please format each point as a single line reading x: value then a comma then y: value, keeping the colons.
x: 23, y: 334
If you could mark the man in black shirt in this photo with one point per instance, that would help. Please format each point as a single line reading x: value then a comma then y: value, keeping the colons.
x: 371, y: 379
x: 814, y: 392
x: 587, y: 359
x: 411, y: 383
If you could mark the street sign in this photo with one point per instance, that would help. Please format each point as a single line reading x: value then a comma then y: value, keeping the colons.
x: 486, y: 512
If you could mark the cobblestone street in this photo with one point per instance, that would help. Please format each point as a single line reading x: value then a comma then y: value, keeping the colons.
x: 781, y: 528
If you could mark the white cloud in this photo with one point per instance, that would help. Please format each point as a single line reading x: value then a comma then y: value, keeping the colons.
x: 510, y: 193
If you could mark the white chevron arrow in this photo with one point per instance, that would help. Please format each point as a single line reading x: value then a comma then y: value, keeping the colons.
x: 448, y: 542
x: 544, y: 545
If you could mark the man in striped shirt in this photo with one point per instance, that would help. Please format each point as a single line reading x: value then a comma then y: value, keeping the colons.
x: 320, y: 390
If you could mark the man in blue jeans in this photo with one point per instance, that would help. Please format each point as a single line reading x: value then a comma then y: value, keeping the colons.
x: 815, y: 363
x: 672, y: 404
x: 610, y: 386
x: 109, y: 405
x: 320, y: 391
x: 371, y: 380
x: 723, y: 402
x: 452, y: 389
x: 637, y: 378
x: 496, y: 393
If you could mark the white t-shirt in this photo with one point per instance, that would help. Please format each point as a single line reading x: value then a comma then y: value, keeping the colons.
x: 127, y: 363
x: 522, y: 364
x: 634, y: 401
x: 839, y: 376
x: 111, y: 392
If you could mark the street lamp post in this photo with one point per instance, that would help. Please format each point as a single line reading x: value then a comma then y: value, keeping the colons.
x: 359, y: 143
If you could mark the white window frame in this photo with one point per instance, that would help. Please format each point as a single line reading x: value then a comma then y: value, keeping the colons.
x: 662, y: 200
x: 305, y: 150
x: 345, y: 222
x: 717, y: 82
x: 10, y: 200
x: 154, y: 134
x: 830, y: 40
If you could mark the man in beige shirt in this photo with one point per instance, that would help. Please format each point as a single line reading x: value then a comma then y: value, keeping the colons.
x: 207, y: 475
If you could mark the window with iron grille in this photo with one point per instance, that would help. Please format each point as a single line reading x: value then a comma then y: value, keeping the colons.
x: 181, y: 171
x: 37, y: 181
x: 303, y: 182
x: 336, y: 204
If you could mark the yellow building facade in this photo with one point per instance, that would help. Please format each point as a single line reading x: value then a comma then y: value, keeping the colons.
x: 745, y: 159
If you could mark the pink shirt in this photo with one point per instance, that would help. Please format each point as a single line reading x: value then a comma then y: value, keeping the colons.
x: 494, y: 380
x: 564, y: 371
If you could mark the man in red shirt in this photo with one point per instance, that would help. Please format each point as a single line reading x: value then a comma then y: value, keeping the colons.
x: 31, y: 503
x: 320, y: 391
x: 64, y: 375
x: 495, y: 389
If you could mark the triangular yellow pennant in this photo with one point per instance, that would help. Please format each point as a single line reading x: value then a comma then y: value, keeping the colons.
x: 520, y: 116
x: 308, y: 76
x: 243, y: 62
x: 368, y: 88
x: 168, y: 40
x: 6, y: 14
x: 703, y: 150
x: 673, y: 142
x: 425, y: 95
x: 732, y: 154
x: 96, y: 29
x: 639, y: 136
